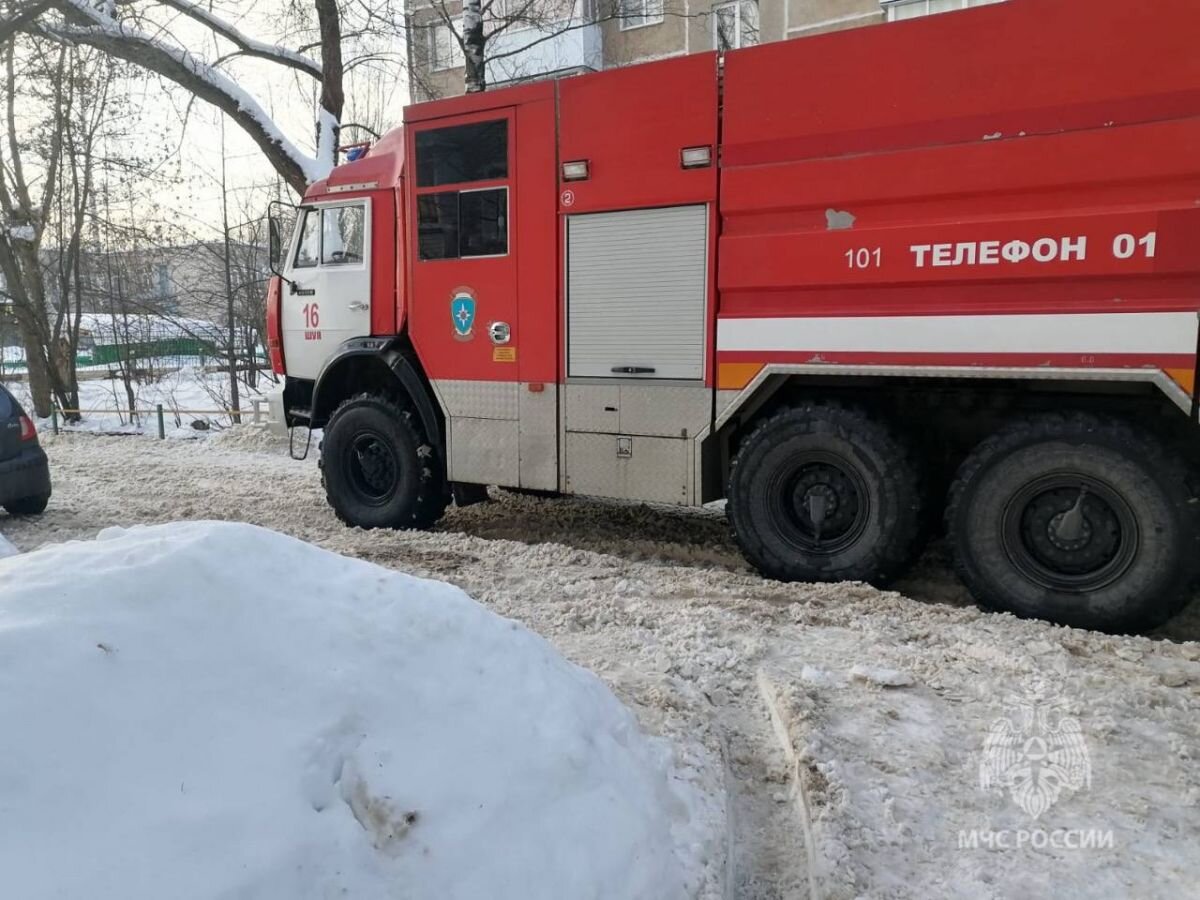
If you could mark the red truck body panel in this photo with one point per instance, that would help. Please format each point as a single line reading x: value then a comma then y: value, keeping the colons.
x: 1011, y: 186
x: 630, y: 128
x: 1012, y: 123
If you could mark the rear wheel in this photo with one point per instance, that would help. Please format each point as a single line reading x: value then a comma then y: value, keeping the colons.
x: 825, y: 493
x: 28, y: 506
x: 1076, y: 519
x: 378, y: 468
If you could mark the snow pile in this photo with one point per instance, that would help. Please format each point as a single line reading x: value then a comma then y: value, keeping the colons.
x: 215, y: 710
x: 7, y: 548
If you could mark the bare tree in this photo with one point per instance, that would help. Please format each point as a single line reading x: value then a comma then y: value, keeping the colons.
x: 142, y: 33
x: 46, y: 183
x: 16, y: 15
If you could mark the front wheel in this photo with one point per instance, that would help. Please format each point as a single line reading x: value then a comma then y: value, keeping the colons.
x: 825, y: 493
x: 1079, y: 520
x: 378, y: 468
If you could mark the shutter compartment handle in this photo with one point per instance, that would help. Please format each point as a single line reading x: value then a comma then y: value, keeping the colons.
x: 633, y: 370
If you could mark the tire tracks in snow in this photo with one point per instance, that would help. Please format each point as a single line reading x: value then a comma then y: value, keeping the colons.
x: 661, y: 606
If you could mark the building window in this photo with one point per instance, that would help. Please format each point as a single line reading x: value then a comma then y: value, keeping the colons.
x: 164, y: 281
x: 735, y: 25
x: 445, y: 52
x: 636, y: 13
x: 911, y: 9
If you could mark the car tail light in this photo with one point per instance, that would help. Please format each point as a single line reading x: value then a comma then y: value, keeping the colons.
x: 28, y: 432
x: 275, y: 325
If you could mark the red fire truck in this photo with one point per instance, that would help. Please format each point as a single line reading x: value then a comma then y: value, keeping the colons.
x: 944, y: 270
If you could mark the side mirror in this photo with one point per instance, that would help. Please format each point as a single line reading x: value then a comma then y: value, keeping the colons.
x: 280, y: 217
x: 275, y: 244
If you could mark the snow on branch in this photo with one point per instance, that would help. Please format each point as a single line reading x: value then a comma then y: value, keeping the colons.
x: 87, y: 24
x: 248, y: 45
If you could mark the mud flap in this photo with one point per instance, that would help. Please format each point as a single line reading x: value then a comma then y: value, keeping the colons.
x: 468, y: 494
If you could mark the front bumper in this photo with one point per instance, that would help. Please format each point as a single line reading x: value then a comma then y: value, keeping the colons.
x: 25, y: 475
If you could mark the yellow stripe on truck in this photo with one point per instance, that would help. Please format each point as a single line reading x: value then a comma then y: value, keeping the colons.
x: 1185, y: 378
x: 735, y: 376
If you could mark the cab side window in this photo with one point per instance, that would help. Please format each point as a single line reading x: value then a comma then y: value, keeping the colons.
x: 342, y: 235
x: 472, y: 218
x: 331, y: 236
x: 309, y: 249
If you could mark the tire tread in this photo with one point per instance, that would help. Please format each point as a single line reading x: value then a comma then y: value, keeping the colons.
x: 432, y: 498
x: 1111, y: 431
x: 854, y: 425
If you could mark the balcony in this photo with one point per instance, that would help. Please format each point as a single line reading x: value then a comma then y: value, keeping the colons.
x: 532, y: 52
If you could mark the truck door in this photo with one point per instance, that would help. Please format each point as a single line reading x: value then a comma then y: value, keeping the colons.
x: 465, y: 319
x: 329, y: 298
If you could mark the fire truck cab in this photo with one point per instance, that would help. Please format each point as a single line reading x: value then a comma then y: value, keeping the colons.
x: 855, y: 284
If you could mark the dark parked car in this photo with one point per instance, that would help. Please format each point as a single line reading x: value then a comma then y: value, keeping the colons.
x: 24, y: 472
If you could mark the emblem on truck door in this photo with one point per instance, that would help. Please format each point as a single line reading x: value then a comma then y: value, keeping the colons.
x: 462, y: 313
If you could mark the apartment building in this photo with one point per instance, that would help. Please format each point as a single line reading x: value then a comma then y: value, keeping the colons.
x: 530, y: 39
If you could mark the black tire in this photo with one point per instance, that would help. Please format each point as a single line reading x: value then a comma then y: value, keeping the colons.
x: 1076, y: 519
x: 825, y: 493
x: 28, y: 506
x: 378, y: 467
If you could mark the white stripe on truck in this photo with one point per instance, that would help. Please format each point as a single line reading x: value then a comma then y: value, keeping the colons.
x: 1132, y: 332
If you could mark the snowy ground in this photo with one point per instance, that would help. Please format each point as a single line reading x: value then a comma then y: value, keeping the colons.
x: 188, y: 394
x: 218, y: 710
x: 852, y: 722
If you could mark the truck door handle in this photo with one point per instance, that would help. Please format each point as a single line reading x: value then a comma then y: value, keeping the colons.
x: 358, y: 307
x: 633, y: 370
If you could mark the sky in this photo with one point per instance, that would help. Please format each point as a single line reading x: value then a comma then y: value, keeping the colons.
x: 198, y: 141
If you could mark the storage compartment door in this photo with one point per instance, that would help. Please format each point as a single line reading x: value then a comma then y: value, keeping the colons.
x: 636, y: 293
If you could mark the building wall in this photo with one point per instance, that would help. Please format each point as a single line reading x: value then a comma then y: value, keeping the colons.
x: 686, y: 26
x: 428, y: 83
x: 805, y: 17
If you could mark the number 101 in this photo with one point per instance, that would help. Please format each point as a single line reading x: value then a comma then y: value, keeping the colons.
x: 864, y: 258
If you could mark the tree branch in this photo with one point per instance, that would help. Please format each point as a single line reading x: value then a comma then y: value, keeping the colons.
x: 10, y: 25
x: 247, y: 45
x: 201, y: 79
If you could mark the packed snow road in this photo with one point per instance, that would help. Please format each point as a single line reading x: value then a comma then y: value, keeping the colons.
x: 876, y: 744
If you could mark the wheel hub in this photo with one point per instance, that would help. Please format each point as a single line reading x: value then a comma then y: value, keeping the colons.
x: 1070, y: 533
x: 371, y: 465
x: 821, y: 503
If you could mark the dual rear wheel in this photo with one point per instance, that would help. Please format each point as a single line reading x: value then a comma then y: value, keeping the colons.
x: 1077, y: 519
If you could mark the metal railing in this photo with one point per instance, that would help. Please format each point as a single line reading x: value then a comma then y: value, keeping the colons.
x: 259, y: 414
